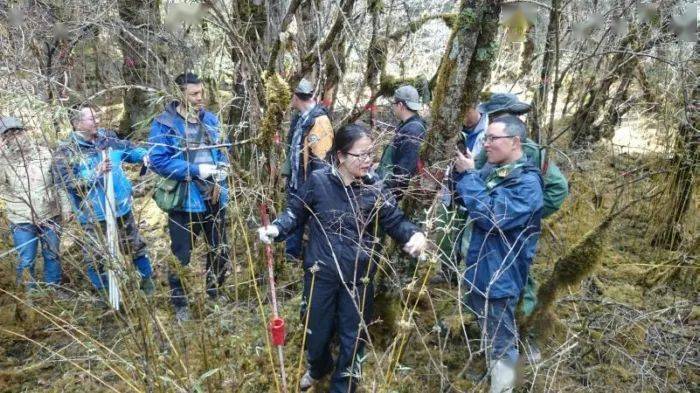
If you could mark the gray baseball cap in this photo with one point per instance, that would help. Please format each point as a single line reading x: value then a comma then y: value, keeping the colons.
x: 9, y: 123
x: 409, y: 95
x: 304, y: 87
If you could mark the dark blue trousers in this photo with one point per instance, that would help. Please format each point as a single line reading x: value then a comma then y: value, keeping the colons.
x: 334, y: 309
x: 499, y: 333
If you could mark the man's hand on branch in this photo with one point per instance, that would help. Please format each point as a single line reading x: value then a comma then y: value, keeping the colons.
x: 267, y: 234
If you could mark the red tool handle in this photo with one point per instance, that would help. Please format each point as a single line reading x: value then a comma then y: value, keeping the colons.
x: 263, y: 214
x: 276, y: 326
x: 277, y: 331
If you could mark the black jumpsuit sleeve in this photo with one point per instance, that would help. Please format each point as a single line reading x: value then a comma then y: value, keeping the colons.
x: 299, y: 207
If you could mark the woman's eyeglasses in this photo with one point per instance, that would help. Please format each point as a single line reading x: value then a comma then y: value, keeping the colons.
x: 363, y: 156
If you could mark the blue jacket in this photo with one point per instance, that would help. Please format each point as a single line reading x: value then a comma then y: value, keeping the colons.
x: 399, y: 161
x: 342, y: 233
x: 167, y: 140
x: 474, y: 137
x: 506, y: 226
x: 75, y: 165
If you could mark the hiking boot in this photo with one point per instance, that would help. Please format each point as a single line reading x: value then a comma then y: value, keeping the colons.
x: 182, y: 314
x: 148, y: 286
x: 502, y: 377
x: 307, y: 382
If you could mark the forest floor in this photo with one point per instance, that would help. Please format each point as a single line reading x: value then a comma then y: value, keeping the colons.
x: 633, y: 325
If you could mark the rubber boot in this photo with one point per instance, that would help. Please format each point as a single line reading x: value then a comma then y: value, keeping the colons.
x: 502, y: 377
x: 306, y: 382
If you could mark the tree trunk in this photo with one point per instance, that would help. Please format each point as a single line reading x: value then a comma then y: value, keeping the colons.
x: 377, y: 52
x: 142, y: 65
x: 686, y: 161
x: 527, y: 55
x: 311, y: 58
x: 539, y: 101
x: 464, y: 70
x: 334, y: 68
x: 584, y: 131
x: 617, y: 107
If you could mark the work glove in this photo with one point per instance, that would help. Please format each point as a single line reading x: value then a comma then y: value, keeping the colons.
x: 268, y: 233
x: 416, y: 244
x: 206, y: 170
x: 221, y: 174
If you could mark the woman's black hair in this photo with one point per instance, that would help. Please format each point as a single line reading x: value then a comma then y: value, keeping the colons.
x: 344, y: 139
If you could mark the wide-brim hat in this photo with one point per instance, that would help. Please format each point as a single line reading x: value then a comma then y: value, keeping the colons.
x: 10, y: 123
x: 504, y: 102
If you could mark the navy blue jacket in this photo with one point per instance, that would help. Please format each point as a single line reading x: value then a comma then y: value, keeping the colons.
x: 400, y: 158
x: 342, y: 223
x: 506, y: 227
x: 167, y: 153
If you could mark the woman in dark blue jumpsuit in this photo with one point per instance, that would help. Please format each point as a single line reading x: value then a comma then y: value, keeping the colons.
x: 341, y: 204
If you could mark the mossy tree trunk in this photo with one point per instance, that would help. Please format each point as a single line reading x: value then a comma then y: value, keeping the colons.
x: 378, y: 47
x: 142, y: 63
x: 333, y: 70
x: 577, y: 264
x: 465, y: 68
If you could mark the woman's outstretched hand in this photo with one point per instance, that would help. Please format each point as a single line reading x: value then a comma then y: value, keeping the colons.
x: 416, y: 244
x: 268, y: 233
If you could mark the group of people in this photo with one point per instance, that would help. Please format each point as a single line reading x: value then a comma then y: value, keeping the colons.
x: 338, y: 198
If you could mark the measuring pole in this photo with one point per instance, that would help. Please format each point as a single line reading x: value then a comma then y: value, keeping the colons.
x: 112, y: 236
x: 276, y: 326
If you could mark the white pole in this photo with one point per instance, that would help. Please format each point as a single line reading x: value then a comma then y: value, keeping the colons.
x: 112, y: 236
